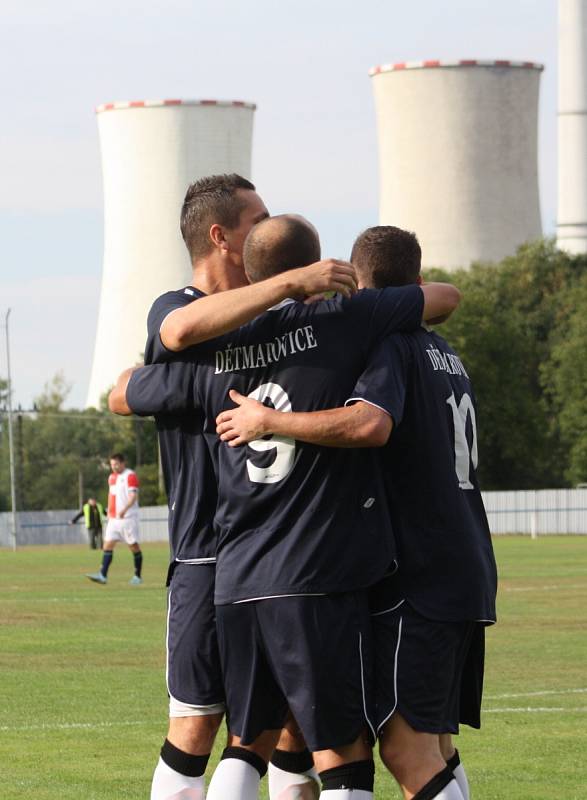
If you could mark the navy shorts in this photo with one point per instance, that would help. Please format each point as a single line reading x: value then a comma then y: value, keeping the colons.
x: 428, y: 671
x: 310, y: 654
x: 194, y: 676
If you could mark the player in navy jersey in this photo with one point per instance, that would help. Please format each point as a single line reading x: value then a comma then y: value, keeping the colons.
x: 217, y: 213
x: 264, y: 551
x: 429, y: 618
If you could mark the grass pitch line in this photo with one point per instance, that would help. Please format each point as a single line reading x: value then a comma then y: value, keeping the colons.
x: 544, y: 710
x: 66, y: 726
x: 544, y: 588
x: 543, y: 693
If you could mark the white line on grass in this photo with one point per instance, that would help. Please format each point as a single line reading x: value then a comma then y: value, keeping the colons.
x: 535, y: 694
x: 541, y: 588
x: 534, y: 710
x: 70, y: 725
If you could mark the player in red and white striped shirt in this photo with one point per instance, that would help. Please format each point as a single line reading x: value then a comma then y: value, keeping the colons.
x: 123, y: 519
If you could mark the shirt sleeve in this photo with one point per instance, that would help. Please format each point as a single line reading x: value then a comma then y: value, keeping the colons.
x: 155, y: 350
x: 132, y: 481
x: 396, y: 309
x: 162, y: 389
x: 383, y: 383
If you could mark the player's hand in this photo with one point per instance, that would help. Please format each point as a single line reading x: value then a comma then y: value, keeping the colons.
x: 120, y: 515
x: 329, y: 275
x: 244, y: 423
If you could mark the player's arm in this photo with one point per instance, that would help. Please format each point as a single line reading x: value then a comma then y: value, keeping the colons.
x: 359, y: 425
x: 216, y: 314
x: 155, y: 389
x: 133, y: 494
x: 440, y: 300
x: 117, y: 397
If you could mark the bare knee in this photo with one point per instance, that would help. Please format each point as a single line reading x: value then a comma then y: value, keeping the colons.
x: 195, y: 734
x: 412, y: 757
x: 447, y: 747
x: 359, y: 750
x: 263, y: 746
x: 291, y: 739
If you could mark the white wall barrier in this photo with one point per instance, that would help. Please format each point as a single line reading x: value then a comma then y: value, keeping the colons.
x: 534, y: 513
x: 52, y: 527
x: 546, y: 511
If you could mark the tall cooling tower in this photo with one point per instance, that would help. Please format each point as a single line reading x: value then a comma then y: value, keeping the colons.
x: 572, y: 126
x: 151, y: 151
x: 458, y: 156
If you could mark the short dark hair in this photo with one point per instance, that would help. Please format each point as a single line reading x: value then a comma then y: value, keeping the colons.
x: 209, y: 201
x: 387, y: 256
x: 117, y: 457
x: 280, y: 243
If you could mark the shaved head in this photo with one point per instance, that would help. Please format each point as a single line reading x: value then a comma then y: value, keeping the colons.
x: 278, y: 244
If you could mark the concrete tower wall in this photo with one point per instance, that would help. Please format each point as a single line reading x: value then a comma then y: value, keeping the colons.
x: 151, y: 151
x: 459, y: 157
x: 572, y: 127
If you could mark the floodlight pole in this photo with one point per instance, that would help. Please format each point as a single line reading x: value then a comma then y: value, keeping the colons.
x: 11, y: 437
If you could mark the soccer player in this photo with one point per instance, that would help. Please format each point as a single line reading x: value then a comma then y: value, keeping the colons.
x: 301, y: 530
x: 123, y: 519
x: 429, y: 618
x: 218, y: 212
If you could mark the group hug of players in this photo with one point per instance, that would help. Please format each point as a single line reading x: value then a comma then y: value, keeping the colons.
x: 331, y: 571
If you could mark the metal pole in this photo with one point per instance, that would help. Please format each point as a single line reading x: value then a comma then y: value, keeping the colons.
x: 11, y: 438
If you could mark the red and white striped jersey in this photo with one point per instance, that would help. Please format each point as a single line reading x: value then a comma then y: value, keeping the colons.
x: 120, y: 485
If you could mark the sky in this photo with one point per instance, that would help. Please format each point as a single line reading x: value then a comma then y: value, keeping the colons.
x: 305, y: 64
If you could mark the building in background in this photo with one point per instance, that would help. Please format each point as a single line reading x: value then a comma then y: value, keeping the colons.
x: 458, y: 156
x: 572, y: 126
x: 151, y: 151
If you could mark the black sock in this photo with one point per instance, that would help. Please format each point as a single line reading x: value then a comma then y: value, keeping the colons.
x: 435, y: 785
x: 292, y: 762
x: 138, y: 559
x: 356, y: 775
x: 184, y: 763
x: 107, y: 557
x: 245, y: 755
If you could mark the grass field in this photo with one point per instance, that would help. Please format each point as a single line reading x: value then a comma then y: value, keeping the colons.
x: 82, y: 695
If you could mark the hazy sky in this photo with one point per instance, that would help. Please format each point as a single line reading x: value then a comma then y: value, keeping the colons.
x: 304, y: 63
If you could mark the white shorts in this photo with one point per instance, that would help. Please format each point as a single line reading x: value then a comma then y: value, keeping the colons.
x: 122, y: 530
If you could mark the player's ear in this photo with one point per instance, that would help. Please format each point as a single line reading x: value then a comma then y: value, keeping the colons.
x: 217, y: 236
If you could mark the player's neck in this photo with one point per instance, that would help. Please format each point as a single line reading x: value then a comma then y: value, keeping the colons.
x: 214, y: 274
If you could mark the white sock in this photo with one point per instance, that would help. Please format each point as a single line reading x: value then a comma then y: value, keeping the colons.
x: 291, y: 785
x: 171, y: 785
x: 461, y: 779
x: 346, y: 794
x: 234, y: 779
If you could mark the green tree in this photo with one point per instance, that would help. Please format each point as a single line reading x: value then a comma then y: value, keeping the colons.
x: 565, y: 376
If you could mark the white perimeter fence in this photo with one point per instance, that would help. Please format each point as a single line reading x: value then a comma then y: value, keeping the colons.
x: 535, y: 513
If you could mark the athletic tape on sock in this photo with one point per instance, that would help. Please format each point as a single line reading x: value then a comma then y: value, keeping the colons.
x: 454, y: 761
x: 435, y: 785
x: 292, y: 762
x: 245, y: 755
x: 182, y: 762
x: 356, y: 775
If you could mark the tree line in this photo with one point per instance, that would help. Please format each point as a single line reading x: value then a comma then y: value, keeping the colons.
x: 521, y: 331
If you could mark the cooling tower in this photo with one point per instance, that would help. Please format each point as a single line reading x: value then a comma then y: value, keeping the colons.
x: 151, y: 151
x: 458, y: 156
x: 572, y: 126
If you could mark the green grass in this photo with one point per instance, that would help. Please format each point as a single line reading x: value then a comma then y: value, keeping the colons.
x: 83, y: 704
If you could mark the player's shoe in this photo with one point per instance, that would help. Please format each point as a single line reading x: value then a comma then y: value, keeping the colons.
x: 97, y: 577
x: 135, y: 580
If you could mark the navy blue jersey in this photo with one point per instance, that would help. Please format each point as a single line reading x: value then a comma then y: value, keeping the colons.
x: 446, y: 564
x: 292, y: 518
x: 187, y: 467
